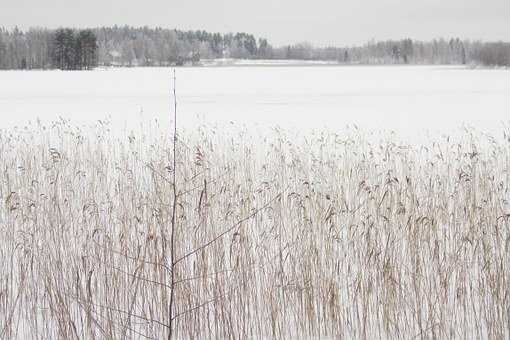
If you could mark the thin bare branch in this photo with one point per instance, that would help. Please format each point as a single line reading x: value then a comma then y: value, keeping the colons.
x: 225, y: 232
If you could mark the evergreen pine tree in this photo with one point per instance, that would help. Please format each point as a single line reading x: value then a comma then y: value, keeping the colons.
x: 58, y: 49
x: 69, y: 48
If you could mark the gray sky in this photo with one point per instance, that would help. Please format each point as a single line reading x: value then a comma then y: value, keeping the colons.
x: 322, y: 22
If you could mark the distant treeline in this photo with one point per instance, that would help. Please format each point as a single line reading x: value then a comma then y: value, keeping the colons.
x: 66, y: 49
x: 41, y: 48
x: 407, y: 51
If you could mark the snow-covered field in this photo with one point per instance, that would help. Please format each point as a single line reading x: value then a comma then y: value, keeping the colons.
x: 323, y: 236
x: 405, y: 99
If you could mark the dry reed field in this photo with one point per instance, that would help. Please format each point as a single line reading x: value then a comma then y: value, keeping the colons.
x: 324, y: 236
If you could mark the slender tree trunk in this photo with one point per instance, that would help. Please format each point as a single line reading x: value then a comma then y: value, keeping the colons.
x: 173, y: 233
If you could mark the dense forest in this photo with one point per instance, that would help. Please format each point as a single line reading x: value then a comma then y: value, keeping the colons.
x: 70, y: 50
x: 41, y: 48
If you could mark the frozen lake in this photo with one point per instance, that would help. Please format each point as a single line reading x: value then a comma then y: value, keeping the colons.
x: 407, y: 99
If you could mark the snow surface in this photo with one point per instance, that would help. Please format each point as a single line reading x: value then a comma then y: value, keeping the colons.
x: 406, y: 99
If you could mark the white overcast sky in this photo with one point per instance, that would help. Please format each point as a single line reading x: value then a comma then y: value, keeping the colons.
x: 322, y: 22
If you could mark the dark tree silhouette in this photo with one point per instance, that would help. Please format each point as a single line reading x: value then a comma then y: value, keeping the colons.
x: 74, y: 50
x: 86, y: 50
